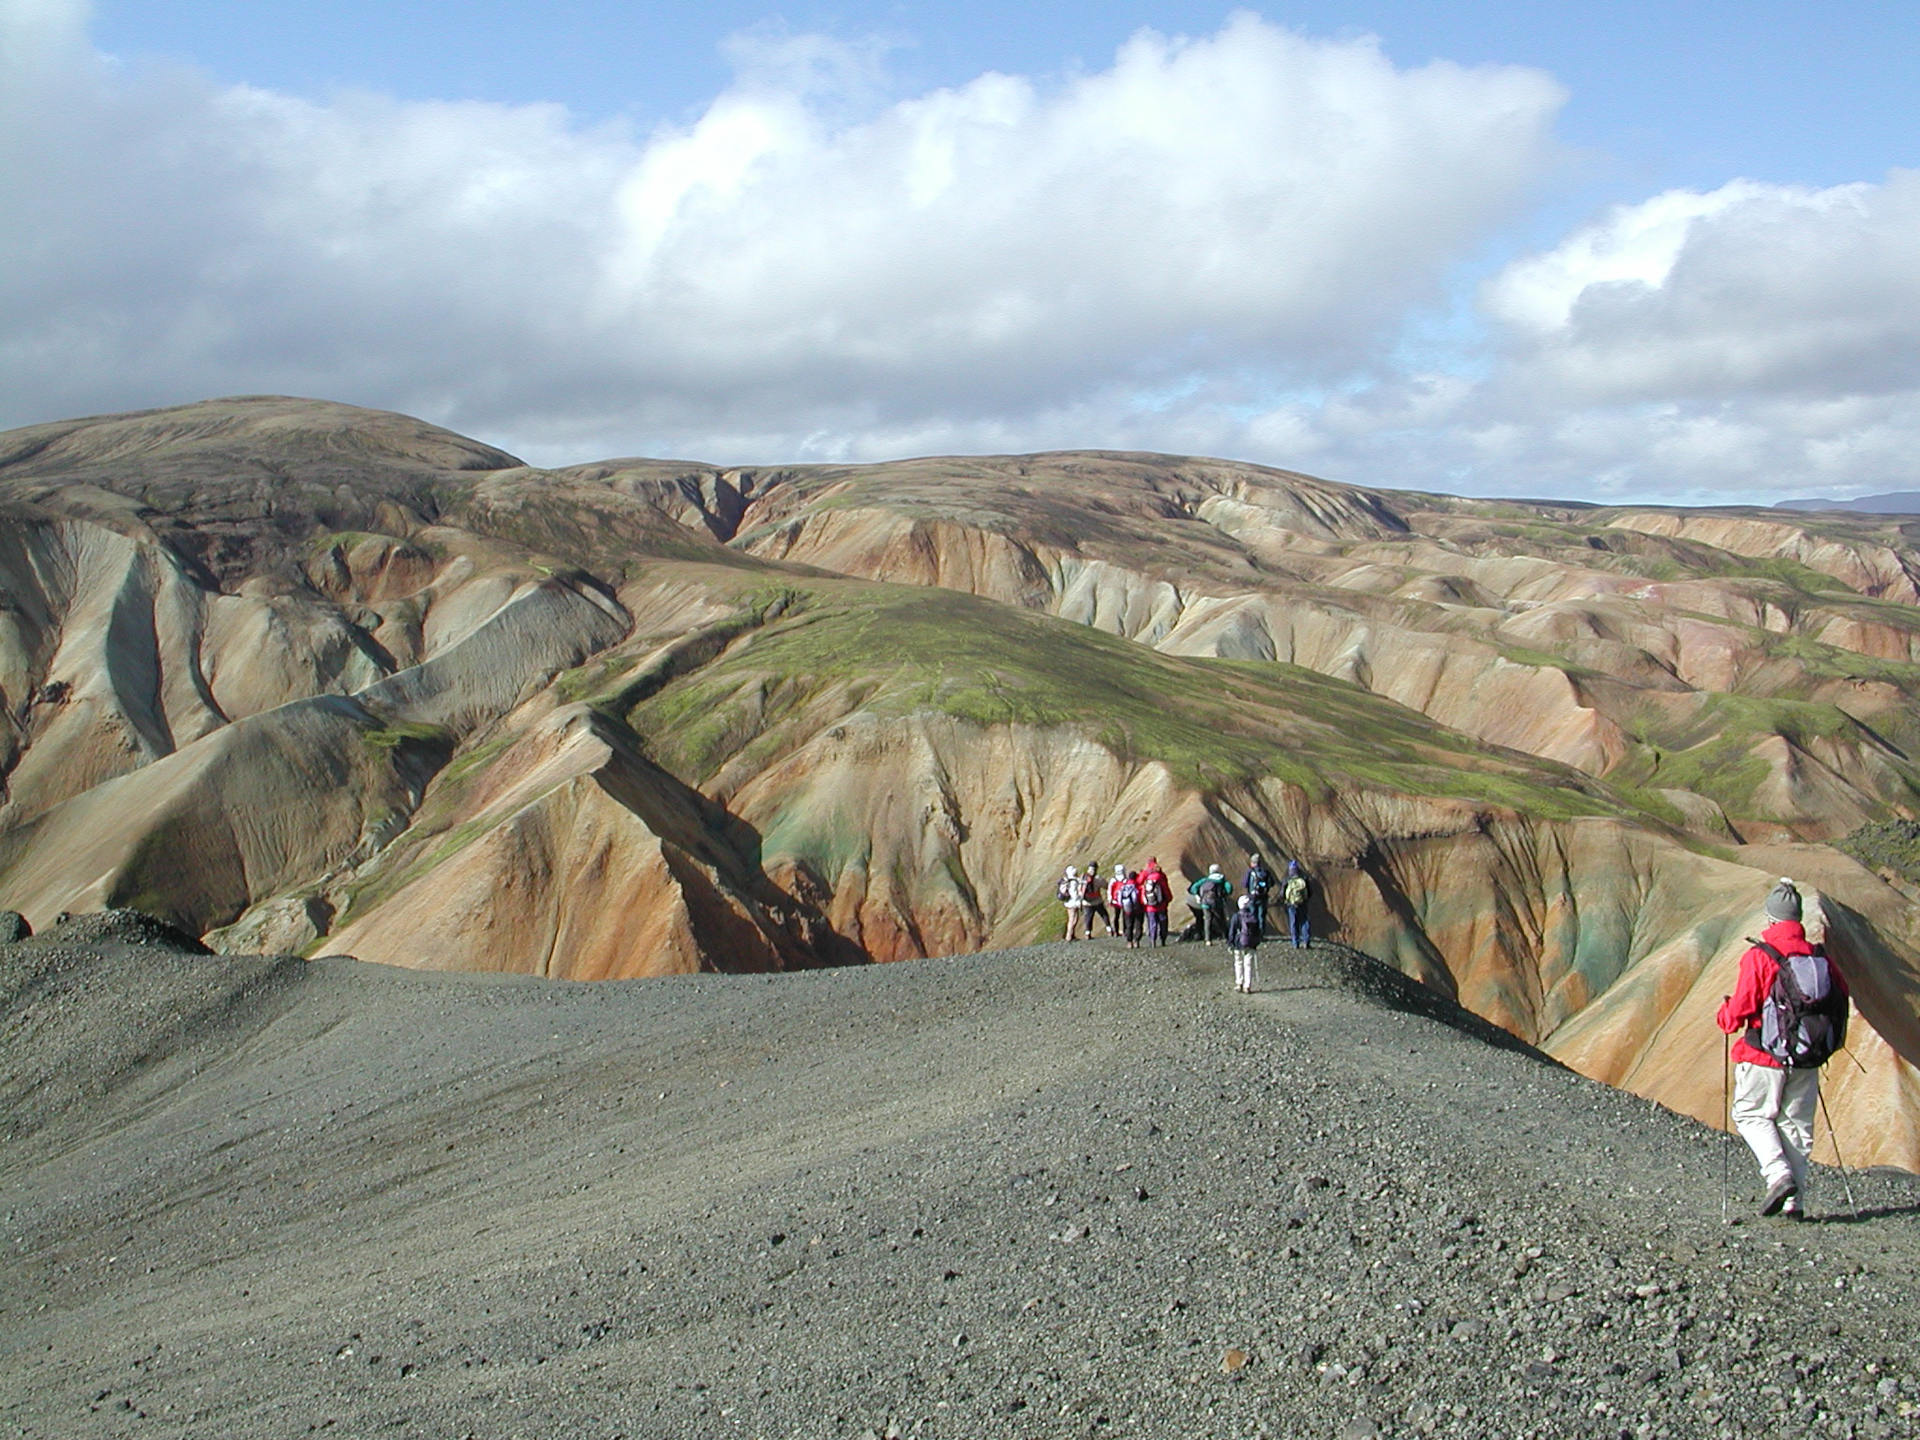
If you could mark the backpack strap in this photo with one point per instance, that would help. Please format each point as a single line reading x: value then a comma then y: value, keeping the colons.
x: 1753, y: 1037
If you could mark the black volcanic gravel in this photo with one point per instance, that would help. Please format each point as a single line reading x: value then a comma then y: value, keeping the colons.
x: 1065, y: 1191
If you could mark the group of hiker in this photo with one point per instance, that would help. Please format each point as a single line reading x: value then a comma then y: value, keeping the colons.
x: 1129, y: 903
x: 1788, y: 1009
x: 1133, y: 904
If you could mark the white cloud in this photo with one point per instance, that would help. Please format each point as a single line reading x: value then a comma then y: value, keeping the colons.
x: 804, y: 268
x: 1748, y: 290
x: 1737, y: 346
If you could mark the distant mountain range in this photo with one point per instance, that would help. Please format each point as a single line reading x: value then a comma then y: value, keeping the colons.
x: 1898, y: 502
x: 299, y: 677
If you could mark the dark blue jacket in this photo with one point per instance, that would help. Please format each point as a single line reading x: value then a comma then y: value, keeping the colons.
x: 1243, y: 930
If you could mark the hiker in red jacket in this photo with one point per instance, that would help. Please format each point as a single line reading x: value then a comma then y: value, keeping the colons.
x: 1155, y: 895
x: 1774, y: 1102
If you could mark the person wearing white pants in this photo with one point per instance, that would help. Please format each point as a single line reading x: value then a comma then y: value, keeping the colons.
x: 1243, y: 939
x: 1773, y: 1104
x: 1773, y: 1111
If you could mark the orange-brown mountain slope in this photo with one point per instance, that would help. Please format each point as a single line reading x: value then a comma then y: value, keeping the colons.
x: 298, y: 676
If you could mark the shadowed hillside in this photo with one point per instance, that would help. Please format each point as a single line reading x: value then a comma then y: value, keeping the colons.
x: 303, y: 678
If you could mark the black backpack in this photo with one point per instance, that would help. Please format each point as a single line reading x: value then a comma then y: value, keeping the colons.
x: 1804, y: 1017
x: 1259, y: 881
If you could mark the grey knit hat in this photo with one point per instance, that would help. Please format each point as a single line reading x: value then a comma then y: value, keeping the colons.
x: 1784, y: 902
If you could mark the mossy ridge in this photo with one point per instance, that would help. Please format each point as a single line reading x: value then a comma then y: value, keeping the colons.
x: 1802, y: 582
x: 1044, y: 502
x: 1879, y: 610
x: 1648, y: 800
x: 607, y: 534
x: 1710, y: 752
x: 1601, y: 544
x: 1564, y: 540
x: 1213, y: 723
x: 1546, y: 660
x: 344, y: 540
x: 473, y: 759
x: 411, y: 857
x: 1822, y: 661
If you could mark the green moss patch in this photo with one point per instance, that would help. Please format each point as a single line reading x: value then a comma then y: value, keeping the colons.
x: 391, y: 737
x: 1711, y: 751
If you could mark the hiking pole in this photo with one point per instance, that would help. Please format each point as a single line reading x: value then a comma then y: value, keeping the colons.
x: 1726, y: 1116
x: 1845, y: 1179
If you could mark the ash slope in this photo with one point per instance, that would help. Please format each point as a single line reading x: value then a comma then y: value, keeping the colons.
x: 1033, y: 1193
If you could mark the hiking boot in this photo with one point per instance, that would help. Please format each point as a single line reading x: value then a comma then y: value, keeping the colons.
x: 1778, y: 1193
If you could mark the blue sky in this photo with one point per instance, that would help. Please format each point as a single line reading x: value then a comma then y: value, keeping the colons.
x: 1592, y: 251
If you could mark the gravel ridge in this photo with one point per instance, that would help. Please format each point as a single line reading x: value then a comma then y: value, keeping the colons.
x: 1071, y: 1190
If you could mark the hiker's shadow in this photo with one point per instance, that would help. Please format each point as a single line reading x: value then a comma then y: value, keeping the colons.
x: 1874, y: 1212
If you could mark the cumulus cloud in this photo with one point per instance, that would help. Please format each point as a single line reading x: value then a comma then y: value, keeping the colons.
x: 806, y: 268
x: 1750, y: 290
x: 1738, y: 345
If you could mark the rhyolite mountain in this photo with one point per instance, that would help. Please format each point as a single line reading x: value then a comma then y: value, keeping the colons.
x: 296, y: 676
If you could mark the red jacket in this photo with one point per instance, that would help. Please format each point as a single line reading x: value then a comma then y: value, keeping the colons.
x: 1166, y: 890
x: 1741, y: 1010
